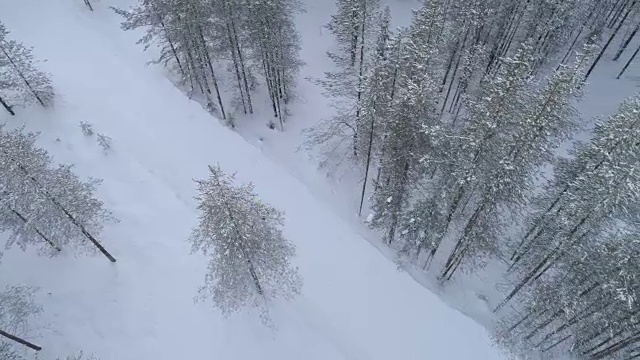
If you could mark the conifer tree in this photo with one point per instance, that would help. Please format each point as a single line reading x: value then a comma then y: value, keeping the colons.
x: 356, y: 27
x: 17, y: 307
x: 275, y: 46
x: 46, y: 206
x: 250, y: 260
x: 20, y: 81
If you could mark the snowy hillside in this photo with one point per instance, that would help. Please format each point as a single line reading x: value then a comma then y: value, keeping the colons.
x: 355, y: 303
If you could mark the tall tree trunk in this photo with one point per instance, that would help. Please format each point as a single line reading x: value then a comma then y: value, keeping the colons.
x: 398, y: 203
x: 20, y: 341
x: 616, y: 347
x: 173, y: 49
x: 628, y: 62
x: 354, y: 35
x: 242, y: 67
x: 36, y: 230
x: 207, y: 59
x: 626, y: 43
x: 234, y: 57
x: 243, y: 250
x: 613, y: 35
x: 368, y: 163
x: 7, y: 107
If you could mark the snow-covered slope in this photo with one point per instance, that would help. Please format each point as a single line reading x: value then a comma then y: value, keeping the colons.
x: 355, y: 304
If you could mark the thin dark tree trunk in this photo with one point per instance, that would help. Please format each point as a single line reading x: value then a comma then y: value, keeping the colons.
x: 398, y: 203
x: 455, y: 258
x: 86, y: 2
x: 20, y: 341
x: 354, y: 36
x: 173, y: 49
x: 614, y: 348
x: 626, y: 43
x: 614, y: 9
x: 26, y: 223
x: 245, y: 254
x: 556, y: 343
x: 628, y: 62
x: 526, y: 280
x: 234, y: 57
x: 566, y: 55
x: 366, y: 169
x: 617, y: 14
x: 7, y: 106
x: 604, y: 49
x: 37, y: 231
x: 207, y: 59
x: 242, y: 66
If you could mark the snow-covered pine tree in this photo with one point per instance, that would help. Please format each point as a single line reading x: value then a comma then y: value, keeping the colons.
x: 154, y: 15
x: 274, y: 47
x: 357, y: 30
x: 410, y: 130
x: 46, y: 206
x: 17, y: 307
x: 179, y: 26
x: 227, y: 36
x: 585, y: 195
x: 377, y: 95
x: 250, y: 260
x: 20, y: 81
x: 79, y: 356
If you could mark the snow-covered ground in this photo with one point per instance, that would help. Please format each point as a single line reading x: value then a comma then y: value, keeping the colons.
x: 355, y: 303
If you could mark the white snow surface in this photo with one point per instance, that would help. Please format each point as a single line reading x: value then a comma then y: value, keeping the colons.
x: 355, y: 303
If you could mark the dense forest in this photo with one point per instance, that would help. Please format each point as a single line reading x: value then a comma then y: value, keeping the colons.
x: 456, y: 121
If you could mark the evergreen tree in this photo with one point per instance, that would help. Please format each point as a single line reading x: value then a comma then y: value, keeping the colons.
x: 275, y: 46
x: 43, y: 205
x: 409, y: 130
x: 179, y: 26
x: 358, y: 27
x: 250, y: 260
x: 20, y: 81
x: 17, y: 307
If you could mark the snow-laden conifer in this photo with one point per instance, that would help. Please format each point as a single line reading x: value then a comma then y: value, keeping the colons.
x: 20, y: 81
x: 42, y: 205
x: 17, y: 307
x: 249, y: 258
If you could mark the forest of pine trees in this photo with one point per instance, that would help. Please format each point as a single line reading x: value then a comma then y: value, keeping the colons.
x: 453, y: 120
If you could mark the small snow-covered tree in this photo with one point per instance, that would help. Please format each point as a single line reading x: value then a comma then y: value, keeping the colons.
x: 250, y: 260
x: 80, y: 356
x: 17, y: 307
x: 45, y: 205
x: 20, y: 81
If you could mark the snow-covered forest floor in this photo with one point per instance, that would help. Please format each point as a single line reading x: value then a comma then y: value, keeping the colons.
x: 355, y: 302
